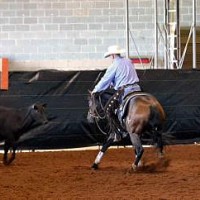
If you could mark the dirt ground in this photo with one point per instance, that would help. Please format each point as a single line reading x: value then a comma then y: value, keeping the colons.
x: 67, y: 175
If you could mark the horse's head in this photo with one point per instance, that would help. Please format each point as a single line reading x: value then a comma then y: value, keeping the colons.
x: 92, y: 108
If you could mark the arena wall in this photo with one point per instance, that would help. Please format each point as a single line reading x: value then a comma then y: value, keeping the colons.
x: 74, y: 34
x: 66, y: 96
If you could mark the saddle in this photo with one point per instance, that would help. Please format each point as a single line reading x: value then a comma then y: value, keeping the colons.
x: 123, y: 106
x: 121, y: 110
x: 115, y: 109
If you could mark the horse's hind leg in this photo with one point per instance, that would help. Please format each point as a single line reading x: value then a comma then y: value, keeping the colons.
x: 136, y: 142
x: 100, y: 155
x: 157, y: 139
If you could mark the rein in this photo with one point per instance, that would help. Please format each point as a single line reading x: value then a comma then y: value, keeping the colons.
x: 97, y: 116
x: 95, y: 113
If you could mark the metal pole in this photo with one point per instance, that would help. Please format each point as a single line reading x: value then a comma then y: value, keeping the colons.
x: 165, y: 38
x: 178, y: 42
x: 194, y: 35
x: 127, y: 29
x: 156, y: 35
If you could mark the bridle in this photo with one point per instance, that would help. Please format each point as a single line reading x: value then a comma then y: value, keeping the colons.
x: 94, y: 113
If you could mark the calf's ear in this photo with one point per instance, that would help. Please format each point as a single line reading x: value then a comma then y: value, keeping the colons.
x: 34, y: 106
x: 44, y: 105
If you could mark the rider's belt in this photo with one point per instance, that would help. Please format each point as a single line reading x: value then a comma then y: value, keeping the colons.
x: 128, y: 85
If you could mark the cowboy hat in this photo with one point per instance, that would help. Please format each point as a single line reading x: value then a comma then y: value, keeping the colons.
x: 113, y: 50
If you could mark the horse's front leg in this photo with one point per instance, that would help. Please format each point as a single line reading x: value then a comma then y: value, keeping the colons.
x: 139, y: 150
x: 101, y: 153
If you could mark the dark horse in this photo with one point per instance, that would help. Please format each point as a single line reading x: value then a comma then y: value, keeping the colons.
x: 142, y: 113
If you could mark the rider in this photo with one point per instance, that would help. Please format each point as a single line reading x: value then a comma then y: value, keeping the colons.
x: 121, y: 76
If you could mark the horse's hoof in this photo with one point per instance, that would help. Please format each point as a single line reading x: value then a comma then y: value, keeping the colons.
x: 134, y: 167
x: 161, y: 155
x: 94, y: 166
x: 6, y: 163
x: 140, y: 163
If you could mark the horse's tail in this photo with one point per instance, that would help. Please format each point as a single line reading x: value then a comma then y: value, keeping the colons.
x: 156, y: 127
x: 155, y: 118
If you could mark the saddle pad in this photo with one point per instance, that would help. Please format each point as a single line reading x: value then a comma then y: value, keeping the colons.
x: 123, y: 107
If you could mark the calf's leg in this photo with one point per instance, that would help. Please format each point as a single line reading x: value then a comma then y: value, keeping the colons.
x: 9, y: 145
x: 5, y: 156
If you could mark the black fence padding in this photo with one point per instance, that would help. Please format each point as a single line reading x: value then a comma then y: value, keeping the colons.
x: 66, y: 96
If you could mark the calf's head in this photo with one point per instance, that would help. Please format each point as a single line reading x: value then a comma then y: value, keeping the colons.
x: 38, y: 113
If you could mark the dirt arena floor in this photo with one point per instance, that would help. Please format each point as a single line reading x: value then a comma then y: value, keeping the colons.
x: 67, y: 175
